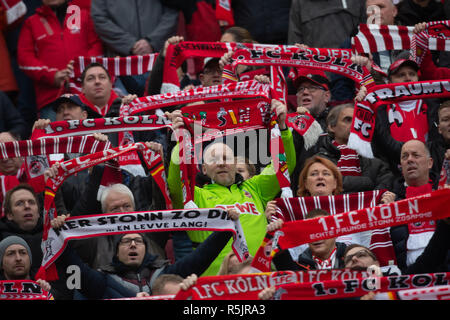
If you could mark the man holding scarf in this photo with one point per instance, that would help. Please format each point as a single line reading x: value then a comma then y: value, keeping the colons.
x: 227, y: 190
x: 133, y: 269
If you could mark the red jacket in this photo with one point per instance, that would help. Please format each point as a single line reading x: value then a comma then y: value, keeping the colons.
x: 45, y: 47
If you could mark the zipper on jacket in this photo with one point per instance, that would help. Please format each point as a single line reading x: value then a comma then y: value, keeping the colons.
x: 139, y: 281
x: 344, y: 4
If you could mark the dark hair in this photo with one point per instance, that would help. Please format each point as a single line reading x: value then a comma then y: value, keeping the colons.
x: 239, y: 34
x: 316, y: 213
x: 356, y: 245
x: 7, y: 201
x: 333, y: 115
x: 160, y: 282
x: 92, y: 65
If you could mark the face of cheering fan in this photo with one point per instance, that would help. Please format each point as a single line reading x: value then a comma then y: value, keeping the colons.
x: 404, y: 74
x: 341, y: 130
x: 320, y: 180
x: 70, y: 111
x: 24, y: 209
x: 415, y: 162
x: 131, y: 250
x: 16, y: 263
x: 219, y: 164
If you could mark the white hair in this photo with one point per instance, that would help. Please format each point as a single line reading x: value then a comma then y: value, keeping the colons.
x: 119, y: 188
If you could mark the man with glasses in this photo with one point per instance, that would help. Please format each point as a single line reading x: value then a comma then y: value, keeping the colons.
x: 359, y: 257
x: 132, y: 269
x: 313, y: 94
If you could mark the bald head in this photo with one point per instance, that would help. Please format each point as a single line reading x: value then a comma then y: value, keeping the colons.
x: 219, y: 164
x: 416, y: 163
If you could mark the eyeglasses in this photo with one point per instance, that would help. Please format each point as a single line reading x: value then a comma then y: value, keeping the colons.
x: 310, y: 89
x: 127, y: 241
x: 360, y: 254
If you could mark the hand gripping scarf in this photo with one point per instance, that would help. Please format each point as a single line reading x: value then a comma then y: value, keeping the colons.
x: 209, y: 219
x: 431, y: 206
x: 36, y: 151
x: 247, y: 286
x: 23, y: 290
x: 72, y: 128
x: 251, y: 111
x: 376, y: 38
x: 379, y: 240
x: 364, y: 116
x: 68, y: 168
x: 309, y: 285
x: 289, y: 58
x: 358, y: 287
x: 177, y: 54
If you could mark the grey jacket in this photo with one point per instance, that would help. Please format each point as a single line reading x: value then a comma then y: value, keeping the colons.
x: 324, y: 23
x: 119, y: 24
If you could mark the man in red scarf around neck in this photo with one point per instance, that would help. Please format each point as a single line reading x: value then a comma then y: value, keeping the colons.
x: 410, y: 240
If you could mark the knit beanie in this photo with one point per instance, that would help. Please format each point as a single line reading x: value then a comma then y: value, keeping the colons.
x: 8, y: 241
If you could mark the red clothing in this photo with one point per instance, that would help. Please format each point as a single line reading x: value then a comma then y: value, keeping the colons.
x: 429, y: 71
x: 9, y: 182
x: 46, y: 47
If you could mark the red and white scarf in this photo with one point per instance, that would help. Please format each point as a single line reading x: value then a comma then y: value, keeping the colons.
x: 379, y: 240
x: 348, y: 163
x: 116, y: 66
x: 426, y: 207
x: 358, y: 287
x: 15, y: 9
x: 308, y: 285
x: 36, y: 151
x: 376, y: 38
x: 306, y: 126
x: 177, y: 54
x: 23, y: 290
x: 298, y: 59
x: 419, y: 233
x: 247, y: 286
x: 145, y: 221
x: 364, y: 115
x: 75, y: 165
x: 294, y: 233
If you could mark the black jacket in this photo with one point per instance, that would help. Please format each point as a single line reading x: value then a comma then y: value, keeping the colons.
x: 400, y: 233
x: 283, y: 260
x: 118, y: 281
x: 375, y: 173
x: 33, y: 238
x: 10, y: 118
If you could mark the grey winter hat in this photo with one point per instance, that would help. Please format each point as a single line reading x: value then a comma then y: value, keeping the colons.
x: 8, y: 241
